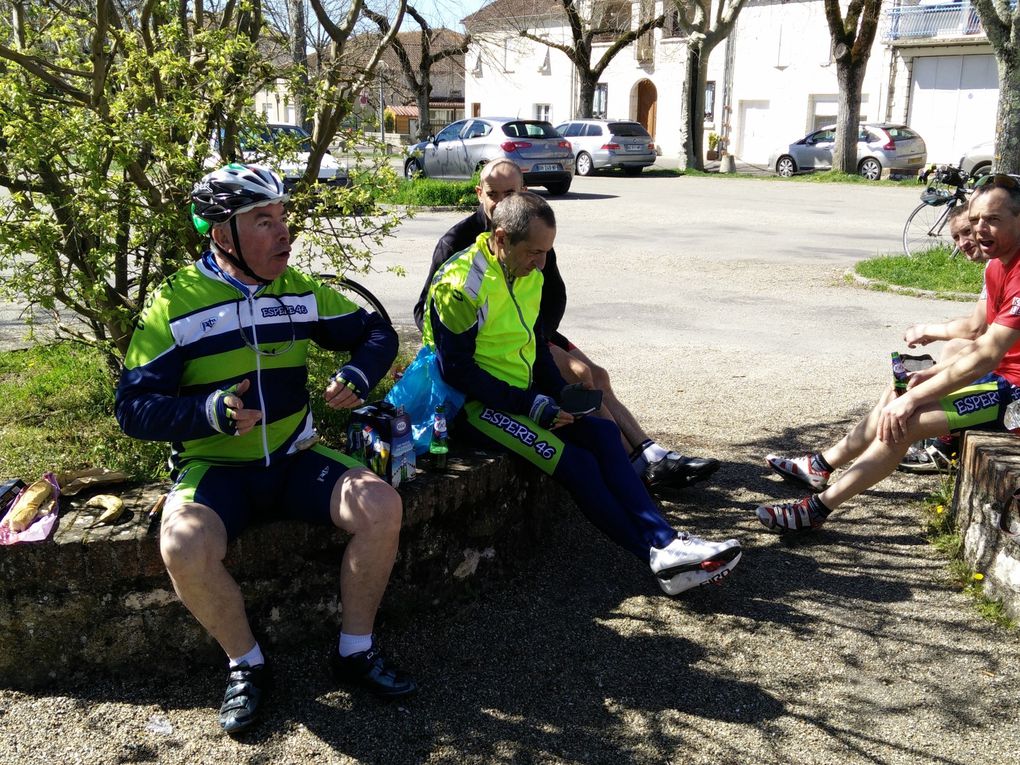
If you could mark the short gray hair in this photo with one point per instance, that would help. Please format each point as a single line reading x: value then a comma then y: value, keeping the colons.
x: 515, y: 214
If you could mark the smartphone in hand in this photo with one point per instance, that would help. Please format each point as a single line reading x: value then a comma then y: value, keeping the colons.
x: 580, y: 401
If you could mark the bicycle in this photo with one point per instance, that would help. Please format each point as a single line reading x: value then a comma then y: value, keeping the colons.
x: 926, y: 226
x: 358, y: 294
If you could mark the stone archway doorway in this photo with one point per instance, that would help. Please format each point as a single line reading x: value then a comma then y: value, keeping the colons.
x: 647, y: 98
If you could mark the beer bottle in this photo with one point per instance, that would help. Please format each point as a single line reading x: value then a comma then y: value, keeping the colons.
x: 899, y: 373
x: 439, y: 445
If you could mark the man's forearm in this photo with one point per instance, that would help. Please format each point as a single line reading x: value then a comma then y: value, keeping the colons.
x: 971, y: 363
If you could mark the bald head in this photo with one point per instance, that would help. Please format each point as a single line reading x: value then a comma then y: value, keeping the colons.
x: 498, y: 180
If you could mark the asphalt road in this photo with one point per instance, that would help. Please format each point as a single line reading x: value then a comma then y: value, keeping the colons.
x: 718, y: 306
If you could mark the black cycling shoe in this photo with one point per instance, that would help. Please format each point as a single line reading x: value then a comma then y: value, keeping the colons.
x: 369, y: 670
x: 246, y: 687
x: 677, y: 471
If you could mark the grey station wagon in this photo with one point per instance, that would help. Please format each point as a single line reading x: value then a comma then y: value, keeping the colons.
x: 599, y: 144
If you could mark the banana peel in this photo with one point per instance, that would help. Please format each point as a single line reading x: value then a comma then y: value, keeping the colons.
x: 30, y: 504
x: 113, y: 508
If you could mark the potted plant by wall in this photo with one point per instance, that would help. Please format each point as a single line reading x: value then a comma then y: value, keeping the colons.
x: 713, y: 147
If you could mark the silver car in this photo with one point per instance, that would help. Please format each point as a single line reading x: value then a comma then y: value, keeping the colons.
x: 880, y: 146
x: 461, y: 148
x: 977, y: 160
x: 599, y: 144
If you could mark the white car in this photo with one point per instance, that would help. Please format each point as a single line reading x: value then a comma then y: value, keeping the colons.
x: 286, y: 149
x: 977, y: 160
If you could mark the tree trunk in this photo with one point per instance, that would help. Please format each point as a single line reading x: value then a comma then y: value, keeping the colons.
x: 1007, y: 138
x: 850, y: 76
x: 693, y: 109
x: 585, y: 94
x: 299, y: 55
x: 422, y: 94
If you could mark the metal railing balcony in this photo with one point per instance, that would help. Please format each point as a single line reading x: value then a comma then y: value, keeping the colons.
x: 933, y: 20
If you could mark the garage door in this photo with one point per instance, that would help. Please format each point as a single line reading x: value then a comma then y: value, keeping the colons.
x: 953, y: 103
x: 756, y: 140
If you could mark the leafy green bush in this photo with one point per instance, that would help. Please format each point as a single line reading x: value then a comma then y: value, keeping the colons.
x: 56, y: 413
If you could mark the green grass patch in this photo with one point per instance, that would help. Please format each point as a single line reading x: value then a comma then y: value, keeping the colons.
x: 936, y: 269
x: 429, y: 192
x: 56, y: 410
x: 56, y: 413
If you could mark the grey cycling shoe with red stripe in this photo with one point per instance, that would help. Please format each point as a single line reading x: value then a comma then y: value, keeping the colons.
x: 799, y: 471
x: 790, y: 516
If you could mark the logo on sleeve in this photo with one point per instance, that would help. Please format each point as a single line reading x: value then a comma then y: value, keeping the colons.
x: 1014, y: 308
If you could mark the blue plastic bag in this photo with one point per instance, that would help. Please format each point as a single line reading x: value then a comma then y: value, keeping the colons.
x: 420, y: 390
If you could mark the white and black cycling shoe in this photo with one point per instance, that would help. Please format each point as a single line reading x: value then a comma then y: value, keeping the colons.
x: 689, y: 562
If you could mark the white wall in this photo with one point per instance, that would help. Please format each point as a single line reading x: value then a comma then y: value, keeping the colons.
x: 784, y: 83
x: 514, y: 78
x: 783, y: 78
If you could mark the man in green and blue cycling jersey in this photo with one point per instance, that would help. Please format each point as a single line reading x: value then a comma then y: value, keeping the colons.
x: 482, y: 318
x: 217, y: 366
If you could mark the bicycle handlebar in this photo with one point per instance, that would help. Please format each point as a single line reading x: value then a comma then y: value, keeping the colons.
x: 947, y: 175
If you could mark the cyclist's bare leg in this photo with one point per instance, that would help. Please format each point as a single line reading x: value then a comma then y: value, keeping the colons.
x: 859, y: 437
x: 370, y: 510
x: 576, y: 367
x: 879, y: 459
x: 193, y: 543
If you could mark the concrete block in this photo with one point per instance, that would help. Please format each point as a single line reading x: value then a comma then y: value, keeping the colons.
x: 989, y: 474
x: 99, y: 600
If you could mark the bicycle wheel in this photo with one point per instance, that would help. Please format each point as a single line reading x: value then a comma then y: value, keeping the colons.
x: 358, y: 294
x: 926, y: 228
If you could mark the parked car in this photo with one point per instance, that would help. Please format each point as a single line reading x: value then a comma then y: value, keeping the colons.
x: 977, y: 160
x: 880, y: 146
x: 463, y: 147
x: 285, y: 148
x: 598, y: 144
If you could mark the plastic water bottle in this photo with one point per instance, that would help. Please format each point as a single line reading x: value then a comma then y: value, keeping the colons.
x: 899, y: 373
x: 440, y: 443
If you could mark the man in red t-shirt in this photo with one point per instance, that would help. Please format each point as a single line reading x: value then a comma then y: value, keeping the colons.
x: 968, y: 390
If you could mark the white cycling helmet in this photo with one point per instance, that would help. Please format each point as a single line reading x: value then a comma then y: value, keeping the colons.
x: 232, y: 190
x: 225, y: 193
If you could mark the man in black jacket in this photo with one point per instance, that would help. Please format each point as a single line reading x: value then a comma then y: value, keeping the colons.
x: 658, y: 466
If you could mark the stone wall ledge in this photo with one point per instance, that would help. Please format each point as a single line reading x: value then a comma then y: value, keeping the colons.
x: 989, y: 474
x: 100, y: 601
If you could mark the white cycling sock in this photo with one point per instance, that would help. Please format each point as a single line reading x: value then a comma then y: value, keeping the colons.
x: 653, y: 452
x: 350, y: 644
x: 253, y: 658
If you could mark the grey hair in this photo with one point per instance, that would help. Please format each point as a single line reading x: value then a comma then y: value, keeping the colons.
x: 515, y: 214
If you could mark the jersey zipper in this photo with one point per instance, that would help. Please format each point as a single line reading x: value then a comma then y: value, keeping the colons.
x: 258, y: 378
x: 520, y: 315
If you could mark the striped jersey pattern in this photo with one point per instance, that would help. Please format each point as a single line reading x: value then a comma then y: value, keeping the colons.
x: 198, y: 334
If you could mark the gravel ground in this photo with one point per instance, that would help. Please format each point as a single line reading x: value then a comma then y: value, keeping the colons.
x: 852, y: 646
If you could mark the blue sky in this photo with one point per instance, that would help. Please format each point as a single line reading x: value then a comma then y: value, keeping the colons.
x: 451, y: 11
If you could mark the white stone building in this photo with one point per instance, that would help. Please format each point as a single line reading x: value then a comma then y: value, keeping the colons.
x: 931, y: 67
